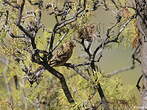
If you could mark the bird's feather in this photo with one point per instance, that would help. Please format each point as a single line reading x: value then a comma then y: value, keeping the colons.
x: 62, y: 54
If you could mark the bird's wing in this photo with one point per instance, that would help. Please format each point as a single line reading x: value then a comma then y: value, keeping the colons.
x: 57, y: 56
x: 60, y: 58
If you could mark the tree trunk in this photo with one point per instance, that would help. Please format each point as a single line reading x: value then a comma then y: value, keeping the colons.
x: 141, y: 6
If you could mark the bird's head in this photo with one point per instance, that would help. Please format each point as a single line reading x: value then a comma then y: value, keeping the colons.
x: 69, y: 44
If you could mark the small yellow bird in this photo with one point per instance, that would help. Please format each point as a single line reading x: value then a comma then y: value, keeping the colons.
x: 62, y: 54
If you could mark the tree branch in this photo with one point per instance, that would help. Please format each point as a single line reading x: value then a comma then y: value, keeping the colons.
x: 62, y: 81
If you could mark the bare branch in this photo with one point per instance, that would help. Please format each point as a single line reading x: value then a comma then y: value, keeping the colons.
x: 10, y: 4
x: 60, y: 40
x: 64, y: 23
x: 21, y: 7
x: 108, y: 75
x: 62, y: 81
x: 116, y: 6
x: 72, y: 66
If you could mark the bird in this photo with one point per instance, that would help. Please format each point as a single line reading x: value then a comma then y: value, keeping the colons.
x: 87, y: 32
x: 62, y: 54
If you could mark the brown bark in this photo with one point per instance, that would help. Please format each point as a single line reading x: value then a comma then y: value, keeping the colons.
x: 141, y: 6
